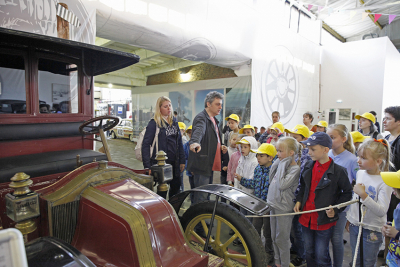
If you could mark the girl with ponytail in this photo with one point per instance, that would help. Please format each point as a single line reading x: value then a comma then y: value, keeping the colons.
x: 342, y: 153
x: 374, y: 157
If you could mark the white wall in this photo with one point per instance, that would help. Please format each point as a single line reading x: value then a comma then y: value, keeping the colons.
x: 355, y: 73
x: 391, y: 82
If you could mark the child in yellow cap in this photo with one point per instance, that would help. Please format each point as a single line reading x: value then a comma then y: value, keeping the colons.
x: 182, y: 128
x: 366, y: 123
x: 260, y: 183
x: 392, y: 179
x: 358, y: 138
x: 321, y: 126
x: 247, y: 130
x: 233, y: 123
x: 276, y: 131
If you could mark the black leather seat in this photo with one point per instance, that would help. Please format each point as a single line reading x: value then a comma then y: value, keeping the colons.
x: 47, y: 163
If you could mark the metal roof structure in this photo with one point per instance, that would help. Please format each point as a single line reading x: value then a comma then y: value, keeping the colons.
x: 345, y: 16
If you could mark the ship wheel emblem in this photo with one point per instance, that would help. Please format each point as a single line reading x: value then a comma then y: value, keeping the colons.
x: 280, y: 85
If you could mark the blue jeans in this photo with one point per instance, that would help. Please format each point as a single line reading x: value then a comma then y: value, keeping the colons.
x: 316, y: 244
x: 200, y: 180
x: 297, y: 236
x: 337, y: 240
x: 371, y: 243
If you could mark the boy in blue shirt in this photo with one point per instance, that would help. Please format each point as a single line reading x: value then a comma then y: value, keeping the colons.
x: 260, y: 183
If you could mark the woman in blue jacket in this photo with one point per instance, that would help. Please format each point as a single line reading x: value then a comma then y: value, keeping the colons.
x: 169, y: 140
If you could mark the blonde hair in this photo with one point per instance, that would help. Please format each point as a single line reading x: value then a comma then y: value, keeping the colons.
x: 291, y: 144
x: 232, y: 135
x: 158, y: 118
x: 378, y: 151
x: 344, y: 132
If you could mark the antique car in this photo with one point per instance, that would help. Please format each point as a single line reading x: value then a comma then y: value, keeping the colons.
x: 123, y: 130
x: 67, y: 199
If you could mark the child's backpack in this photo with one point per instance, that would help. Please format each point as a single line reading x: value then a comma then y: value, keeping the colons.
x: 138, y: 148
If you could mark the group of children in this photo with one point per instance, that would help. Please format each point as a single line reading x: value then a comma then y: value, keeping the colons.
x: 298, y: 170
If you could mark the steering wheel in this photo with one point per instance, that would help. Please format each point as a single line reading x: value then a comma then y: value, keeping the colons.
x: 113, y: 121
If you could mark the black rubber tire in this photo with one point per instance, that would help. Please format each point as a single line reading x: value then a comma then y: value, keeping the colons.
x: 113, y: 135
x: 238, y: 220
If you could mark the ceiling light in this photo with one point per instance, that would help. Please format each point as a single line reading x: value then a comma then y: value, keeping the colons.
x: 110, y: 85
x: 185, y: 77
x: 339, y: 101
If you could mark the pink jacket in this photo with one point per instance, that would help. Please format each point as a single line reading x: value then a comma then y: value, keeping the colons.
x: 233, y: 163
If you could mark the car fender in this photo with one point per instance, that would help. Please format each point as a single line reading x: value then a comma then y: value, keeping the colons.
x: 241, y: 198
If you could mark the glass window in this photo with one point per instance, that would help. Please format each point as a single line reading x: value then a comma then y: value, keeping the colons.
x: 128, y: 124
x: 58, y: 87
x: 12, y: 84
x: 122, y: 123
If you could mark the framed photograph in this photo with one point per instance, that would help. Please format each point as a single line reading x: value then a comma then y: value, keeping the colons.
x: 344, y: 114
x: 61, y: 92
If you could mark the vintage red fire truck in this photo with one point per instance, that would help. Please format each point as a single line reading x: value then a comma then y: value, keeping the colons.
x: 74, y: 205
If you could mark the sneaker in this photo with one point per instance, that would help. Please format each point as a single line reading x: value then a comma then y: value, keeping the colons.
x: 298, y: 261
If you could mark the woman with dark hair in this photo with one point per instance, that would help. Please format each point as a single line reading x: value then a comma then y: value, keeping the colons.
x: 169, y: 140
x: 367, y: 127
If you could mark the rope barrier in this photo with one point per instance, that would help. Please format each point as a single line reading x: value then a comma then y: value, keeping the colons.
x: 339, y: 206
x: 359, y: 237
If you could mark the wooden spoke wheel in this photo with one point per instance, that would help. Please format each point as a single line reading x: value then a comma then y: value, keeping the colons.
x: 251, y: 252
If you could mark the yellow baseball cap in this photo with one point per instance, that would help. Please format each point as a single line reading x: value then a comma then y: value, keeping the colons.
x: 233, y: 117
x: 189, y: 128
x: 247, y: 126
x: 358, y: 137
x: 322, y: 124
x: 182, y: 126
x: 265, y: 148
x: 300, y: 129
x: 392, y: 179
x: 367, y: 116
x: 278, y: 125
x: 243, y: 142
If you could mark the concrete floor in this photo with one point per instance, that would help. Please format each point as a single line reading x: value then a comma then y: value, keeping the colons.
x: 122, y: 151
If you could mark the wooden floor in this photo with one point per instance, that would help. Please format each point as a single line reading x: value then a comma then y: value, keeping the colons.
x: 122, y: 151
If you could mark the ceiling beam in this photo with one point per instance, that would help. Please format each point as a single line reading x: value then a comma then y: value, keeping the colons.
x: 333, y: 32
x: 170, y: 65
x: 103, y: 42
x: 372, y: 17
x: 125, y: 81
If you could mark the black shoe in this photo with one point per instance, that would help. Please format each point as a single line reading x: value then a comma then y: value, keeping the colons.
x: 231, y: 232
x: 237, y: 242
x: 298, y: 261
x: 344, y: 241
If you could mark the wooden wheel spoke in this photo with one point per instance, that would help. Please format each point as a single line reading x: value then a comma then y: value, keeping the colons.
x: 203, y: 223
x: 218, y: 232
x: 236, y: 256
x: 230, y: 240
x: 199, y: 239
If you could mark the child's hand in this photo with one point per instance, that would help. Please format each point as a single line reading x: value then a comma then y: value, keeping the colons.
x: 359, y: 189
x: 330, y: 213
x: 225, y: 168
x: 348, y: 226
x: 224, y: 149
x: 238, y: 177
x: 297, y: 207
x: 389, y: 231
